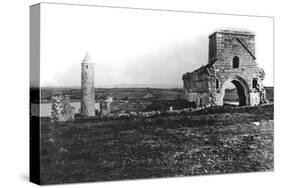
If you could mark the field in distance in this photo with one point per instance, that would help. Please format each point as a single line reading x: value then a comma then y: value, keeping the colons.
x: 144, y: 93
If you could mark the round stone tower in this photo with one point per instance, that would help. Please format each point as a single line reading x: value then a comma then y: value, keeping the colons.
x: 87, y: 87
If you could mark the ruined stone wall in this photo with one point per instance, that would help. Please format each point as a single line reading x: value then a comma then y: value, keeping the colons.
x: 61, y: 109
x: 207, y: 84
x: 105, y: 107
x: 196, y: 85
x: 196, y: 81
x: 243, y: 47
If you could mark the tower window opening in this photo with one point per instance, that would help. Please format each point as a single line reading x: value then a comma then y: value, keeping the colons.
x: 235, y: 62
x: 255, y: 83
x: 217, y: 84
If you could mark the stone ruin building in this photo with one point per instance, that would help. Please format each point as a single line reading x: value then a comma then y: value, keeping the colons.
x: 231, y: 59
x: 105, y: 106
x: 61, y: 109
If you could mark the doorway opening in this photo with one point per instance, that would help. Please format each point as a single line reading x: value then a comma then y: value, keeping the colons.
x: 234, y: 94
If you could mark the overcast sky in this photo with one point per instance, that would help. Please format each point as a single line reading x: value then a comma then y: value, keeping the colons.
x: 131, y: 46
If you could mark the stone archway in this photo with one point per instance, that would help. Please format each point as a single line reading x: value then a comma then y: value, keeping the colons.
x: 241, y: 87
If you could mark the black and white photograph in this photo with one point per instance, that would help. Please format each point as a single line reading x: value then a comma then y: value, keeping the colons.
x: 122, y: 93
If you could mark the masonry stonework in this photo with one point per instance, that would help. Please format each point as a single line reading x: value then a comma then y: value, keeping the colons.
x: 231, y: 59
x: 87, y: 87
x: 61, y: 108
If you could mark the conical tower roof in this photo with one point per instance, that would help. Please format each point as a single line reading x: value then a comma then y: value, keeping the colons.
x: 87, y: 59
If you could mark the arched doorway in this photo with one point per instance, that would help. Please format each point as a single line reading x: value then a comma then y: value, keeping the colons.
x: 235, y: 92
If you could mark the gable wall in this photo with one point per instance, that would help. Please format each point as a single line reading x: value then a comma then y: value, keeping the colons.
x: 225, y: 59
x: 219, y: 40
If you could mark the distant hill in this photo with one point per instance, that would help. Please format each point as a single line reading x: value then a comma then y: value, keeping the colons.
x: 138, y: 93
x: 118, y: 93
x: 155, y: 85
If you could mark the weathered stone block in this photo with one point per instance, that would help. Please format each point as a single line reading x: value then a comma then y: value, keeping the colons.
x: 254, y: 98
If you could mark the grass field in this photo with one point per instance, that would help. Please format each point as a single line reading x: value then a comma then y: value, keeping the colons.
x: 211, y: 141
